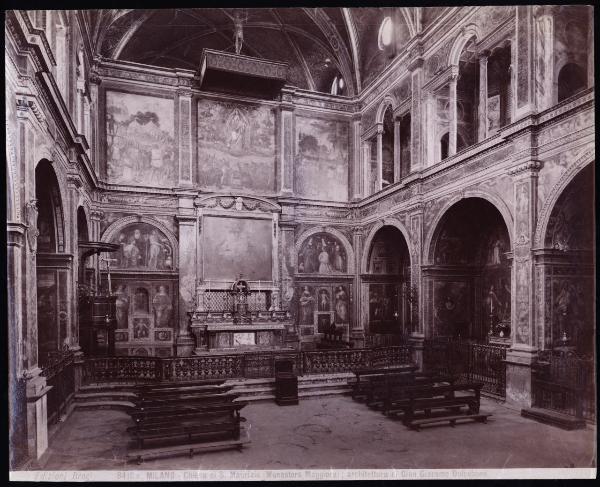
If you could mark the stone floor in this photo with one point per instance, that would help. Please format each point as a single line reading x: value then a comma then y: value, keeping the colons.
x: 336, y: 432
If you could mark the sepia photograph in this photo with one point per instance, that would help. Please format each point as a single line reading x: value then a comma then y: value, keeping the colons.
x: 293, y: 242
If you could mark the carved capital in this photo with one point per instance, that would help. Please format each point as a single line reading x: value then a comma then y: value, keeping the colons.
x: 533, y: 165
x: 74, y: 180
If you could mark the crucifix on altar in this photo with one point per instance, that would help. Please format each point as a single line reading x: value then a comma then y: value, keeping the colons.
x: 240, y: 291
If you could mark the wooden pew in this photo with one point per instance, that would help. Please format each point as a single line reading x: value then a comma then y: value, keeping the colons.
x: 429, y: 404
x: 168, y: 401
x: 367, y: 373
x: 180, y: 392
x: 383, y: 391
x: 174, y: 386
x: 142, y: 418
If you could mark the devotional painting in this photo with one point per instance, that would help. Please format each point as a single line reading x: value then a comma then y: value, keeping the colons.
x: 143, y: 247
x: 236, y: 146
x: 322, y: 254
x: 234, y: 246
x: 321, y: 161
x: 451, y: 312
x: 140, y: 144
x: 323, y: 305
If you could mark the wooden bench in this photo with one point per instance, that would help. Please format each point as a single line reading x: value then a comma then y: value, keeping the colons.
x: 181, y: 399
x: 429, y: 404
x: 367, y: 373
x: 383, y: 392
x: 143, y: 418
x: 139, y: 455
x: 179, y: 392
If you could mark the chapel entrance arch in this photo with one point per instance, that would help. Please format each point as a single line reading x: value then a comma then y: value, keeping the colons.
x: 387, y: 276
x: 470, y: 275
x: 52, y: 265
x: 567, y: 266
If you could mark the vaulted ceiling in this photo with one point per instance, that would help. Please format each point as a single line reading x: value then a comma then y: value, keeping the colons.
x: 317, y: 43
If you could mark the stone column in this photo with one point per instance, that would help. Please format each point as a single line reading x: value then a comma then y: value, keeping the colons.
x: 188, y: 242
x: 287, y: 229
x: 397, y: 160
x: 483, y: 96
x: 453, y: 115
x: 366, y: 165
x: 286, y: 144
x: 417, y: 129
x: 357, y: 331
x: 185, y: 143
x: 357, y: 181
x: 95, y: 123
x: 544, y: 58
x: 523, y: 350
x: 417, y: 334
x: 379, y: 180
x: 523, y: 62
x: 74, y: 187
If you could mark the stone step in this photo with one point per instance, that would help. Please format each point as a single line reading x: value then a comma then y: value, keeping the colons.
x: 104, y: 396
x: 553, y: 418
x: 95, y: 405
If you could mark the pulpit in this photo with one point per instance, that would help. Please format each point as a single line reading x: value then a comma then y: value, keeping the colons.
x: 238, y: 319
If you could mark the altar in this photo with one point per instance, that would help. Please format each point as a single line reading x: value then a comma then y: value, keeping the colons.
x: 239, y: 319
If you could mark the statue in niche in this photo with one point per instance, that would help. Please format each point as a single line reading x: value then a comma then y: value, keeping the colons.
x: 162, y: 307
x: 324, y: 300
x: 307, y: 303
x: 122, y: 305
x: 341, y: 305
x: 324, y: 265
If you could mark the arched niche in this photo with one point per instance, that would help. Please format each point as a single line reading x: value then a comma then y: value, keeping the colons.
x: 567, y: 265
x: 50, y: 221
x: 52, y: 264
x: 572, y: 79
x: 324, y: 251
x: 146, y: 244
x: 470, y: 275
x: 386, y: 279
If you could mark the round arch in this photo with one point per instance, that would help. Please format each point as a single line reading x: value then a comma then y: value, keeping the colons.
x: 57, y: 196
x: 434, y: 230
x: 568, y: 176
x: 388, y: 101
x: 467, y: 33
x: 333, y: 232
x: 83, y: 217
x: 389, y: 222
x: 113, y: 230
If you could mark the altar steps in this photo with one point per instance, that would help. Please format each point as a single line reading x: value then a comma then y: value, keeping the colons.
x: 120, y: 396
x: 254, y: 390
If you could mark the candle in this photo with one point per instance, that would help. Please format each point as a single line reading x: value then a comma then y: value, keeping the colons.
x: 259, y: 285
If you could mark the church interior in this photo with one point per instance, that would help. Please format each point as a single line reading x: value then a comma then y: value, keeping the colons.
x: 220, y: 218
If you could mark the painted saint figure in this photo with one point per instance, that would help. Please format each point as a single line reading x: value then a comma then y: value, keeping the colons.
x: 307, y: 303
x: 162, y: 307
x: 310, y: 257
x: 122, y: 305
x: 154, y: 246
x: 338, y: 259
x: 131, y: 253
x: 324, y: 265
x: 323, y: 300
x: 341, y: 305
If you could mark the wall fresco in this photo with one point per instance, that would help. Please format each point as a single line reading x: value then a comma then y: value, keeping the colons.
x: 451, y: 308
x: 236, y: 146
x: 322, y: 254
x: 143, y: 247
x: 234, y: 246
x: 140, y: 144
x: 321, y: 161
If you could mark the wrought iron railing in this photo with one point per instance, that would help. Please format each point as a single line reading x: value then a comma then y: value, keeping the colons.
x: 565, y: 382
x: 241, y: 365
x: 59, y: 371
x: 471, y: 361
